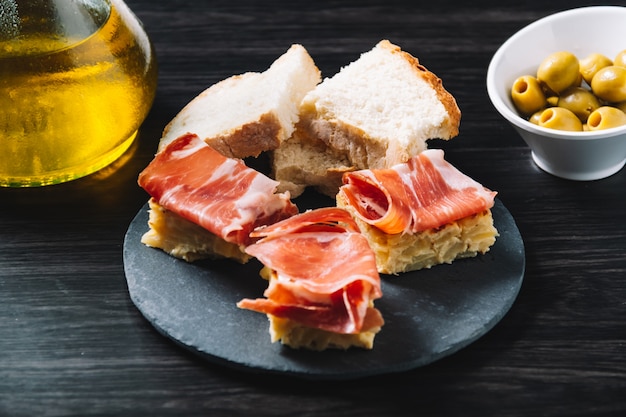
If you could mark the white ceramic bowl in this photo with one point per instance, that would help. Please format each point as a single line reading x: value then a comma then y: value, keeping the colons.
x: 572, y: 155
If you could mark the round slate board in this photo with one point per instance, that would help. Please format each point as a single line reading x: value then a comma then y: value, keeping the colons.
x: 429, y: 314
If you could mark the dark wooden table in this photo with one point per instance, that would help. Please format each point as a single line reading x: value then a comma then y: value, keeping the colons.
x: 73, y: 344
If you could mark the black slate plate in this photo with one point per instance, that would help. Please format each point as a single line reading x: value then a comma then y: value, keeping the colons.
x: 429, y: 314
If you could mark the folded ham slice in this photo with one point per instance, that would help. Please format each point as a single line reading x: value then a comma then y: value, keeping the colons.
x: 425, y: 193
x: 324, y: 272
x: 221, y: 194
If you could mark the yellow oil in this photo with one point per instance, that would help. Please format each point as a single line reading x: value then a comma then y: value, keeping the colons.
x: 69, y: 107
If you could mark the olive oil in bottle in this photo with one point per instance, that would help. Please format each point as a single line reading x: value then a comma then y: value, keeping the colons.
x: 71, y: 100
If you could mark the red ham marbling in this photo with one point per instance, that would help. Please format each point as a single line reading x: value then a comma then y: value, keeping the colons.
x: 424, y: 193
x: 325, y: 273
x: 221, y: 194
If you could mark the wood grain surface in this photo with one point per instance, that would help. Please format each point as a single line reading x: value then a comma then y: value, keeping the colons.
x: 73, y: 344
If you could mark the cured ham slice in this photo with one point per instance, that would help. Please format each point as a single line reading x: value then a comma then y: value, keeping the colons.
x: 425, y: 193
x: 323, y: 273
x: 220, y: 194
x: 420, y: 213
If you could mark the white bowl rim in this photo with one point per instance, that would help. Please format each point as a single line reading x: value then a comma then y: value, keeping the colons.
x: 515, y: 118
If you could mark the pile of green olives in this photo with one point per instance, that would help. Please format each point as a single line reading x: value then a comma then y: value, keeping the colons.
x: 574, y: 94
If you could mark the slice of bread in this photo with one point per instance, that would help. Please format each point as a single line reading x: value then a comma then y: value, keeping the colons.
x: 301, y: 163
x: 376, y: 112
x: 250, y: 113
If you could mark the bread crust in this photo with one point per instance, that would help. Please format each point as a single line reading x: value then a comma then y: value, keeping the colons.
x: 356, y: 146
x: 250, y: 139
x: 448, y: 101
x: 304, y: 161
x: 251, y: 113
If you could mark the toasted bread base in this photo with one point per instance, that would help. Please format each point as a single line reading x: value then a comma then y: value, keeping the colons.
x: 186, y: 240
x: 296, y: 336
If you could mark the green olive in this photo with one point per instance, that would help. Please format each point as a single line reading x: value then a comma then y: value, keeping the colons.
x: 527, y: 95
x: 579, y: 79
x: 620, y: 59
x: 591, y: 64
x: 559, y: 70
x: 560, y: 119
x: 558, y: 99
x: 609, y: 84
x: 606, y: 117
x: 580, y: 101
x: 534, y: 118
